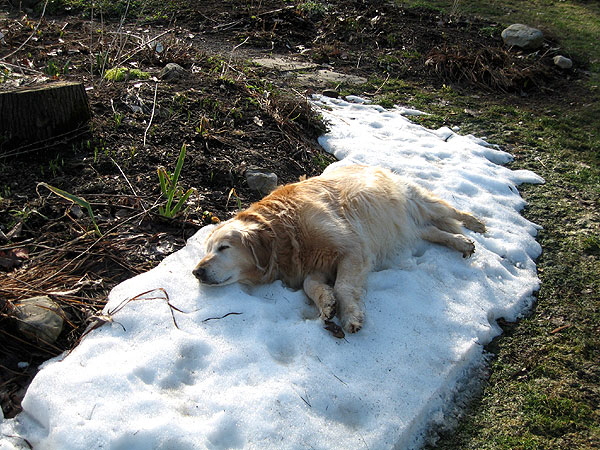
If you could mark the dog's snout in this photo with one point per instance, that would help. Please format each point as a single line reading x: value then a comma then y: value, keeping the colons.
x: 200, y: 273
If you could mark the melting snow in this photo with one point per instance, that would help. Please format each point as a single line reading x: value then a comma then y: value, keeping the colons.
x: 270, y: 376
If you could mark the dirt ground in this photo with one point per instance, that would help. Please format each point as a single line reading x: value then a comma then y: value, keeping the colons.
x: 230, y: 114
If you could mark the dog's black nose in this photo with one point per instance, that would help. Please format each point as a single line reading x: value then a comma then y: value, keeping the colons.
x: 200, y: 273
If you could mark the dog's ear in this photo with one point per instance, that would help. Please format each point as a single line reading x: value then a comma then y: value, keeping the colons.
x: 260, y: 240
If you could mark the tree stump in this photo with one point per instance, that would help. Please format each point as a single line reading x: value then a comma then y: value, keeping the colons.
x: 38, y: 117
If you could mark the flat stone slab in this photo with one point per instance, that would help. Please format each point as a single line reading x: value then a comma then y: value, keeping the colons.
x: 284, y: 64
x: 326, y: 77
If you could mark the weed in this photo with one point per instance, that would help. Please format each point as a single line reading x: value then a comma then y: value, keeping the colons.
x: 238, y: 200
x: 312, y: 9
x: 75, y: 199
x: 170, y: 189
x: 118, y: 118
x: 55, y: 69
x: 321, y: 161
x: 4, y: 74
x: 100, y: 62
x: 56, y: 164
x: 203, y: 127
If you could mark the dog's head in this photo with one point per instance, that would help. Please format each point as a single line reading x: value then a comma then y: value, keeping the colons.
x: 236, y: 251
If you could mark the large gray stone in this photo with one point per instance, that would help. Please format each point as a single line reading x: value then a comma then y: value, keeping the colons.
x: 172, y: 72
x: 40, y: 318
x: 261, y: 180
x: 284, y: 64
x: 523, y: 36
x: 328, y: 77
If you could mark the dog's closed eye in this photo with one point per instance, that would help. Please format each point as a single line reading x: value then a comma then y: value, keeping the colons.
x: 222, y: 247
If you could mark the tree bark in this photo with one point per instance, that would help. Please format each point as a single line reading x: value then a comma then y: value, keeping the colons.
x: 37, y: 117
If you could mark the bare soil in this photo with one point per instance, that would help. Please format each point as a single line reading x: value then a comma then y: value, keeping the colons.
x: 230, y: 114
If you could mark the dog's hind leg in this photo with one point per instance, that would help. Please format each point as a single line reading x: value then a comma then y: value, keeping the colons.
x: 316, y: 288
x: 447, y: 218
x: 453, y: 240
x: 470, y: 221
x: 349, y: 288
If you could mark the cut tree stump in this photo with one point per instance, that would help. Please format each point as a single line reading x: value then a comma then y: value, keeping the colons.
x: 38, y: 117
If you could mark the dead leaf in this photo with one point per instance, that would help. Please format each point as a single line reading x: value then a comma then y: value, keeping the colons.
x: 561, y: 328
x: 13, y: 258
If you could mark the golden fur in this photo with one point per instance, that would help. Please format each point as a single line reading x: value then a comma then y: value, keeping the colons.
x: 326, y: 233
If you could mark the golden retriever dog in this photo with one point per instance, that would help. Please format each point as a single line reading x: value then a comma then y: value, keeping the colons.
x: 325, y: 234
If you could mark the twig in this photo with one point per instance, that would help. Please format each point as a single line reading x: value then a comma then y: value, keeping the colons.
x: 92, y: 245
x: 22, y: 69
x: 561, y: 328
x: 140, y: 47
x: 151, y: 115
x: 231, y: 55
x: 100, y: 319
x: 222, y: 317
x: 305, y: 400
x: 382, y: 84
x: 127, y: 179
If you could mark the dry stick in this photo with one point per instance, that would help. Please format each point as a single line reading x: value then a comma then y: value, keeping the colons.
x: 152, y: 115
x: 140, y: 47
x: 127, y: 179
x: 231, y: 55
x: 100, y: 319
x: 121, y: 23
x: 222, y: 317
x: 31, y: 35
x: 22, y: 69
x: 382, y: 84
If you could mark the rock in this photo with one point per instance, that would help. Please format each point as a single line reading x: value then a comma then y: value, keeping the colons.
x: 284, y: 64
x: 563, y: 62
x: 523, y: 36
x: 172, y: 72
x: 261, y: 180
x: 324, y: 77
x: 39, y: 317
x: 332, y: 93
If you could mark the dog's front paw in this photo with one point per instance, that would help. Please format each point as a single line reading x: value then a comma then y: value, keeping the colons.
x: 353, y: 322
x: 468, y: 248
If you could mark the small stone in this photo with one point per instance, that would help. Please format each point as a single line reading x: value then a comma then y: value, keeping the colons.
x: 172, y: 72
x: 331, y: 93
x: 562, y: 62
x: 40, y: 318
x: 523, y: 36
x: 261, y: 180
